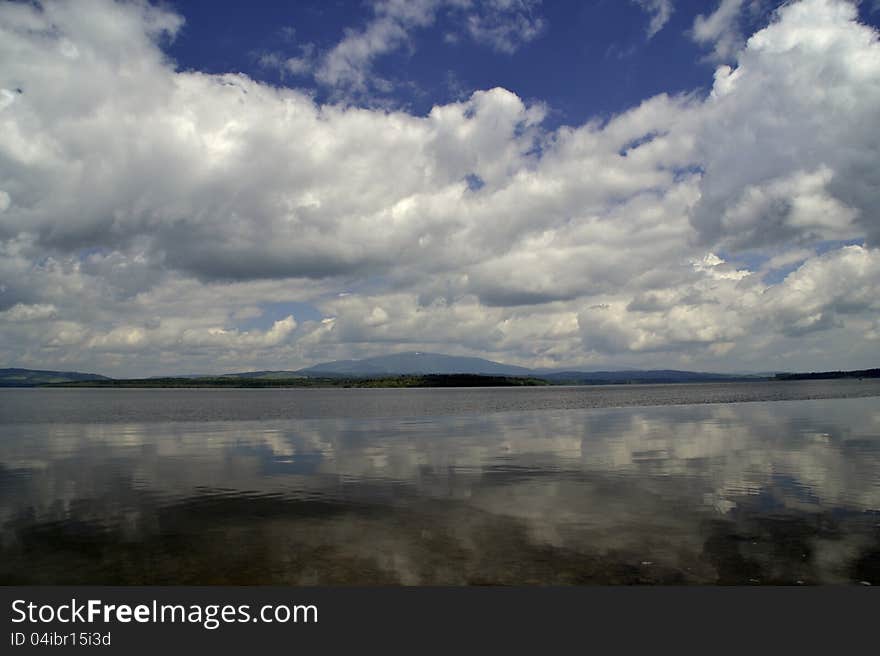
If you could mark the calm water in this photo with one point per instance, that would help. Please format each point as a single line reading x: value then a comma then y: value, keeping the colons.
x: 635, y: 484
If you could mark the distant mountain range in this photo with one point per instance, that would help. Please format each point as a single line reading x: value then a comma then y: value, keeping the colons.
x: 417, y: 363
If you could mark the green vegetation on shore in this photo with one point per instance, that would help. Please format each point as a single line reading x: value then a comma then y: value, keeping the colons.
x: 831, y: 375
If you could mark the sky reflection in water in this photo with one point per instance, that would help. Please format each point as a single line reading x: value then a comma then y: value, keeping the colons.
x: 783, y: 492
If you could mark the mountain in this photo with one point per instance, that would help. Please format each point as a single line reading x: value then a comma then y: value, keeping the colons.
x: 34, y: 377
x: 414, y: 362
x: 418, y: 362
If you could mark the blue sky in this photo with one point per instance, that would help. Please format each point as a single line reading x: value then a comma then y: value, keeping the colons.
x: 216, y: 187
x: 592, y: 58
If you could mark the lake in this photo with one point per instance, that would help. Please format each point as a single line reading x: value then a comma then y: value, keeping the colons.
x: 735, y: 483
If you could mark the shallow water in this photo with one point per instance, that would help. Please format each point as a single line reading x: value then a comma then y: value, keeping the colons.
x: 487, y: 486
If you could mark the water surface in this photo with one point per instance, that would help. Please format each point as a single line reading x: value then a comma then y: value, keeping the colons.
x: 489, y: 486
x: 95, y: 405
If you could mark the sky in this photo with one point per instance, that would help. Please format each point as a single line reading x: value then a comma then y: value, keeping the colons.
x: 190, y: 187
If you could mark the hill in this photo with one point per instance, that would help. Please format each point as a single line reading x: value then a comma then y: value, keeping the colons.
x: 414, y: 363
x: 35, y: 377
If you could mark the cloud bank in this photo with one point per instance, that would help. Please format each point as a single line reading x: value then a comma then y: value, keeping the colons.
x: 155, y: 220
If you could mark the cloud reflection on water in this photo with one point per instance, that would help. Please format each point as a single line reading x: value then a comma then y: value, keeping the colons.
x: 757, y: 492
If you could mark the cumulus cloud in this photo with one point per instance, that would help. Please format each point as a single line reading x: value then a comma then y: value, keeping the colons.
x: 157, y: 335
x: 156, y: 220
x: 728, y: 304
x: 781, y: 162
x: 825, y: 290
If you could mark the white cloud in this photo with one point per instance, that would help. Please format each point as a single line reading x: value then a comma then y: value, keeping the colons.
x: 22, y: 313
x: 799, y: 204
x: 505, y: 25
x: 721, y: 29
x: 502, y: 25
x: 824, y: 290
x: 7, y: 97
x: 788, y: 145
x: 348, y: 63
x: 286, y: 66
x: 660, y: 12
x: 724, y: 307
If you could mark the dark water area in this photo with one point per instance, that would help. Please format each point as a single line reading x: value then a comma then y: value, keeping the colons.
x: 666, y: 484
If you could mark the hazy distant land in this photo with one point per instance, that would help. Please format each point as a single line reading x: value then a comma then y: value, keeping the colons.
x: 414, y: 369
